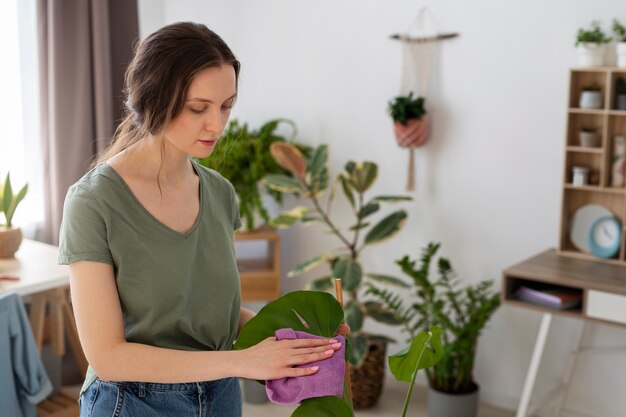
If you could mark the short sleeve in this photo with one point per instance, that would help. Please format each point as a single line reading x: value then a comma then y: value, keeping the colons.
x: 235, y: 206
x: 83, y: 234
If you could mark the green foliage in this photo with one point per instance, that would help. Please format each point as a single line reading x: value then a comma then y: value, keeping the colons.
x: 360, y: 233
x: 619, y: 30
x: 461, y: 313
x: 404, y: 108
x: 592, y: 35
x: 620, y: 86
x: 323, y: 407
x: 592, y: 87
x: 243, y: 157
x: 9, y: 201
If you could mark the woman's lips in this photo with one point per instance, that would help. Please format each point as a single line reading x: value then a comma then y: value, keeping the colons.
x: 208, y: 142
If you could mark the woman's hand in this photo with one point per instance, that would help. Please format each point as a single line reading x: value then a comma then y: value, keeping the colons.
x: 272, y: 359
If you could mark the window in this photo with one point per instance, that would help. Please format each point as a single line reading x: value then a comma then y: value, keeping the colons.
x: 20, y: 145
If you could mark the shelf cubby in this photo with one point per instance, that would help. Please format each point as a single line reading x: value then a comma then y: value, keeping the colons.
x: 580, y: 78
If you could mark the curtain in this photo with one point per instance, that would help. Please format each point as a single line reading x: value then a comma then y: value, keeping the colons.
x: 84, y: 48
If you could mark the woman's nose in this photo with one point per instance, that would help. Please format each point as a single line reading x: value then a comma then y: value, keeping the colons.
x: 214, y: 122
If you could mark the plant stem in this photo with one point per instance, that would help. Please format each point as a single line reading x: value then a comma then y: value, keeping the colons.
x: 408, y: 394
x: 329, y: 222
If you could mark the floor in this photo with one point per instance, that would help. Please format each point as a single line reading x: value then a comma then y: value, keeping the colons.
x: 389, y: 405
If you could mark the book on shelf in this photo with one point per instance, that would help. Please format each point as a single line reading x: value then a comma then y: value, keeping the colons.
x: 559, y: 298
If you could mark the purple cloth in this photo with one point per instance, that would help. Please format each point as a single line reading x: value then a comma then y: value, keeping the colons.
x: 327, y: 381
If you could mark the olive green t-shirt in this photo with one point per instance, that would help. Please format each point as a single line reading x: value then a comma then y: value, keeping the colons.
x: 177, y: 290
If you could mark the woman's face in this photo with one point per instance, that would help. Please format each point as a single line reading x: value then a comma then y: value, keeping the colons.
x: 210, y: 97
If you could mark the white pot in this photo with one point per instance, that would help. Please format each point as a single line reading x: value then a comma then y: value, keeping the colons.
x: 590, y: 100
x: 591, y: 54
x: 621, y: 54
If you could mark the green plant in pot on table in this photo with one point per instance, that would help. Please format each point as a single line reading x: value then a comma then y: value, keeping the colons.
x: 310, y: 180
x: 10, y: 236
x: 462, y: 313
x: 242, y: 156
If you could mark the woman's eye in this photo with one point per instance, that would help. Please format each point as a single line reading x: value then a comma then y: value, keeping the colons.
x: 197, y: 111
x: 226, y: 108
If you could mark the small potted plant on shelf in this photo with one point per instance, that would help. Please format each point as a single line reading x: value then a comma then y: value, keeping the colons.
x: 620, y: 36
x: 591, y: 45
x: 242, y: 156
x: 462, y: 313
x: 591, y: 97
x: 411, y: 123
x: 10, y: 236
x: 620, y: 94
x: 589, y: 137
x: 311, y: 180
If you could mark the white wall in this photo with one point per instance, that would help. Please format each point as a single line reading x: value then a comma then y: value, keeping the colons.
x: 488, y: 185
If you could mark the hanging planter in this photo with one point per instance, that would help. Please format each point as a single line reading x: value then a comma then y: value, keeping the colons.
x: 411, y: 127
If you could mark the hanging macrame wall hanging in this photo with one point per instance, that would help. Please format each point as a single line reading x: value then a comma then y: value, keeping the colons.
x: 412, y: 124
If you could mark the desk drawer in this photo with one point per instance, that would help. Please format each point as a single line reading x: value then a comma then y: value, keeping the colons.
x: 606, y: 306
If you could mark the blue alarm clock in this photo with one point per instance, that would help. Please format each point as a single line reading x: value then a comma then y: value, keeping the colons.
x: 605, y: 237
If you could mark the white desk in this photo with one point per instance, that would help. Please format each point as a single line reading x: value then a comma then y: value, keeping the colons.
x: 46, y: 284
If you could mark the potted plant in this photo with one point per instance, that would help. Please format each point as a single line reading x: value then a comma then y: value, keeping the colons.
x: 10, y: 236
x: 591, y: 97
x: 591, y: 45
x: 589, y: 137
x: 462, y: 314
x: 242, y: 156
x: 310, y: 180
x: 318, y: 313
x: 411, y: 123
x: 620, y: 94
x: 620, y: 36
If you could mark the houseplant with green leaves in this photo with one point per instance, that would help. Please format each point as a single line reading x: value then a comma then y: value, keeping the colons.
x: 320, y: 314
x: 310, y: 180
x: 10, y: 236
x: 591, y: 45
x: 462, y: 313
x: 619, y: 30
x: 242, y: 156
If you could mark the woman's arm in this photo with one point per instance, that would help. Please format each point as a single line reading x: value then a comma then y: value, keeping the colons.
x: 244, y: 316
x: 100, y: 326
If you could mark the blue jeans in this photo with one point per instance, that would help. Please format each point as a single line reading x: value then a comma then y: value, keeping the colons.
x: 220, y: 398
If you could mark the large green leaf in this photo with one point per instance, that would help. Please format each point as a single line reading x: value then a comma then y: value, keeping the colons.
x: 350, y: 272
x: 310, y: 264
x: 319, y: 310
x: 354, y: 315
x: 387, y: 227
x: 364, y: 175
x: 368, y: 209
x: 323, y: 407
x: 381, y: 314
x: 317, y: 162
x: 282, y: 183
x: 391, y: 199
x: 387, y: 279
x: 425, y: 351
x: 359, y: 345
x: 286, y: 219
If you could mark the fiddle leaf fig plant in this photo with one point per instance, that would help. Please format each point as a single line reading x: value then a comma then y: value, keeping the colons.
x: 310, y: 180
x: 319, y: 313
x: 9, y: 201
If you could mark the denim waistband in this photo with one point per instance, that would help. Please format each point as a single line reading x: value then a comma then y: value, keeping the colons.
x: 141, y: 387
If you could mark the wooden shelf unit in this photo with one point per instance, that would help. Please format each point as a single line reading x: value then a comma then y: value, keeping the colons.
x: 609, y: 122
x: 260, y: 277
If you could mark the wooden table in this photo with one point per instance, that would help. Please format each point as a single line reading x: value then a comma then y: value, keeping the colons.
x: 603, y: 290
x: 46, y: 284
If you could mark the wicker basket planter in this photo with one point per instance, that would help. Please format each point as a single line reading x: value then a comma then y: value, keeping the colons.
x: 367, y: 380
x: 10, y: 241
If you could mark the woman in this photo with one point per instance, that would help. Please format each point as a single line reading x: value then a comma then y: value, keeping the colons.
x: 148, y: 235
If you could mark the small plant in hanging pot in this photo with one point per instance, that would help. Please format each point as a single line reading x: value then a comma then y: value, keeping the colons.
x: 411, y: 121
x: 591, y: 45
x: 620, y: 36
x: 10, y: 236
x: 620, y: 94
x: 591, y: 97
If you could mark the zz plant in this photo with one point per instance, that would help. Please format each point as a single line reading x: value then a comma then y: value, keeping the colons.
x: 310, y: 180
x: 461, y: 313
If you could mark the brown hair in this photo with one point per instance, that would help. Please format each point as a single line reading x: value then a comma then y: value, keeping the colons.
x: 158, y: 77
